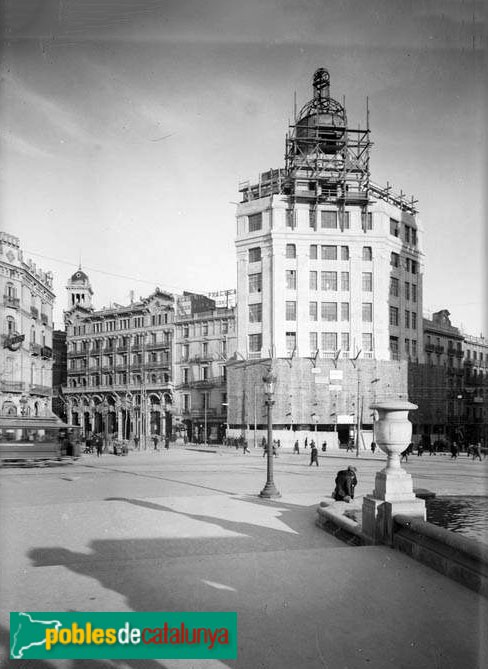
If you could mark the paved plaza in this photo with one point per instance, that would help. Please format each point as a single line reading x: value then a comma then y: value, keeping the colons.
x: 185, y: 531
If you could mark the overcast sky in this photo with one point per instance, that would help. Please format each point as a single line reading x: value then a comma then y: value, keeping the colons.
x: 126, y: 125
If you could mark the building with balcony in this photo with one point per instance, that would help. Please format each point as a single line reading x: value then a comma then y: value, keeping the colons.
x: 329, y: 264
x: 205, y: 339
x: 475, y: 392
x: 26, y: 317
x: 119, y: 364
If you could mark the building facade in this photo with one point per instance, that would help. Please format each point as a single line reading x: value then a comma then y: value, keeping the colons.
x: 475, y: 392
x: 26, y: 315
x: 205, y: 338
x: 329, y: 264
x: 119, y: 359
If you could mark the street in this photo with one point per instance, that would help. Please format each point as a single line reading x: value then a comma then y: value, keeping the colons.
x: 185, y: 530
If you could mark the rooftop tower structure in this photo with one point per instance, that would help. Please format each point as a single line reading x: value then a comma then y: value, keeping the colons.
x: 329, y: 263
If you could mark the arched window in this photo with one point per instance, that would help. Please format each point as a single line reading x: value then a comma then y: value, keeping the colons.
x: 10, y: 290
x: 10, y: 325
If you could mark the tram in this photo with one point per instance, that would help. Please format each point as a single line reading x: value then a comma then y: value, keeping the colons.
x: 37, y: 438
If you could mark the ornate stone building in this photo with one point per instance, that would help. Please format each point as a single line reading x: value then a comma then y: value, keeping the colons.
x: 119, y: 376
x: 26, y: 317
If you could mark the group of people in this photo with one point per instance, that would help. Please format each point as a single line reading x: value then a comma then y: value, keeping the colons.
x: 155, y: 440
x: 94, y: 442
x: 313, y: 449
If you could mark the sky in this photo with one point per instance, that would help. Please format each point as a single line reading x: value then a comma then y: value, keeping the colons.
x: 126, y: 126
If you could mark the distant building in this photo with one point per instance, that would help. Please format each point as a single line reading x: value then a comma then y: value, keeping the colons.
x: 436, y: 386
x: 475, y: 394
x: 26, y: 316
x: 204, y: 341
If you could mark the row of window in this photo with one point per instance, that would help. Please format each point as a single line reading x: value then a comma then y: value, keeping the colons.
x: 204, y: 350
x: 117, y: 379
x: 409, y: 232
x: 121, y: 360
x: 329, y: 220
x: 409, y: 265
x: 126, y: 341
x: 329, y: 342
x: 410, y: 289
x: 410, y: 347
x: 410, y: 318
x: 203, y: 373
x: 203, y: 329
x: 121, y: 324
x: 327, y: 252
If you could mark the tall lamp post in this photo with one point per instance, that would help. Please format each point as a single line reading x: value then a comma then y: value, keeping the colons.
x: 269, y: 490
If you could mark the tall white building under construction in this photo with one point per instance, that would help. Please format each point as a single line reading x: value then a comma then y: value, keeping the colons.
x: 329, y: 263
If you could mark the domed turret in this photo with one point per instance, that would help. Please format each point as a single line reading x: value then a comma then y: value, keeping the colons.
x: 79, y: 290
x: 321, y: 124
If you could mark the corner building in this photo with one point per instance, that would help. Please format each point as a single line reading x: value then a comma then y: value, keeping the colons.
x: 330, y: 264
x: 26, y: 315
x: 327, y: 260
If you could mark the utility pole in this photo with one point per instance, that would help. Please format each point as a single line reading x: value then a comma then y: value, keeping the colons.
x: 358, y: 416
x: 255, y: 417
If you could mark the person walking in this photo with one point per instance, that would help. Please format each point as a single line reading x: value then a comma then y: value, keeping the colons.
x: 245, y: 448
x: 314, y: 454
x: 405, y: 455
x: 155, y: 442
x: 136, y: 443
x: 373, y: 447
x: 454, y: 450
x: 264, y: 445
x: 477, y: 451
x: 324, y: 447
x: 306, y: 442
x: 99, y: 445
x: 296, y: 447
x: 350, y: 445
x: 420, y: 449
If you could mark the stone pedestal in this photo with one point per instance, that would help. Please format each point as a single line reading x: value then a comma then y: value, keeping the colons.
x: 393, y: 493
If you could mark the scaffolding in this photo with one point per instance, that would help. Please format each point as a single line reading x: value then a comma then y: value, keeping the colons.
x: 326, y: 160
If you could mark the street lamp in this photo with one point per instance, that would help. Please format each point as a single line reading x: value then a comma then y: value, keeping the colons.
x: 315, y: 419
x: 269, y: 380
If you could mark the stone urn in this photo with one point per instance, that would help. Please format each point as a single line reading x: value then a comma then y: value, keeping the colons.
x: 393, y: 492
x: 393, y: 430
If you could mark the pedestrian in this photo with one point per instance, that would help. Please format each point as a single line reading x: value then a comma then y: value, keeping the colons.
x: 279, y: 443
x: 314, y: 453
x: 245, y: 449
x: 324, y: 446
x: 420, y: 449
x: 306, y: 442
x: 136, y: 443
x: 454, y: 450
x: 296, y: 447
x: 350, y: 445
x: 373, y: 447
x: 477, y: 451
x: 275, y: 452
x: 265, y: 446
x: 405, y: 455
x: 346, y: 481
x: 155, y: 442
x: 99, y: 445
x: 166, y: 443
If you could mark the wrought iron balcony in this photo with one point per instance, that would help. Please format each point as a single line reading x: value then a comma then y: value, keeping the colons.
x: 35, y: 349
